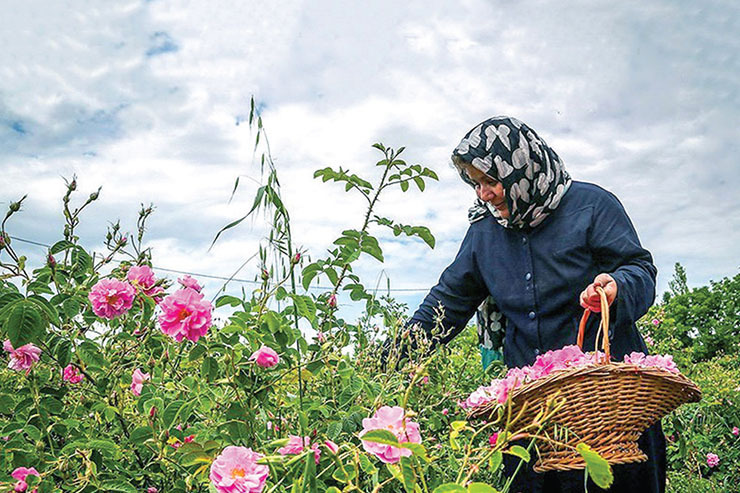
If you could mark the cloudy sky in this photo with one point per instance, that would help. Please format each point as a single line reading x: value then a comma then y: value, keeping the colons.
x: 145, y: 100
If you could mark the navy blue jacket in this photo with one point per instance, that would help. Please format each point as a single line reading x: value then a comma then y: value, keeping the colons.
x: 536, y: 278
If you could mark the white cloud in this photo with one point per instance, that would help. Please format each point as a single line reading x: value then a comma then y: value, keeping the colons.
x: 640, y: 98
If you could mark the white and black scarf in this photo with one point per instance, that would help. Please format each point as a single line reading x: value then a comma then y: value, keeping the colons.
x: 534, y: 181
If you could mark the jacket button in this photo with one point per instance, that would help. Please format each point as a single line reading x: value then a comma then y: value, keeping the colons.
x: 524, y: 239
x: 528, y: 276
x: 531, y: 315
x: 536, y: 351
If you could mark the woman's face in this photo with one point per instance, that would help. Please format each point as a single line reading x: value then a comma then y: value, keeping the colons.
x: 489, y: 190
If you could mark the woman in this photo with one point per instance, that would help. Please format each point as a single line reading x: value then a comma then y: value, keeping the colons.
x: 539, y: 243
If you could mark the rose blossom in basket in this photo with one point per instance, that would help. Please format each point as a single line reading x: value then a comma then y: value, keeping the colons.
x: 236, y: 471
x: 22, y: 358
x: 185, y: 315
x: 110, y: 298
x: 392, y: 419
x: 665, y: 362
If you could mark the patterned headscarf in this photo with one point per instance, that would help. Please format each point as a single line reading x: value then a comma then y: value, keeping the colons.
x: 533, y: 177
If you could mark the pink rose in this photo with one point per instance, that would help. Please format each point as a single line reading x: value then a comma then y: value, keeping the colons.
x: 236, y: 471
x: 332, y: 301
x: 20, y: 474
x: 111, y: 298
x: 188, y: 438
x: 333, y: 447
x: 735, y: 430
x: 296, y: 446
x: 712, y: 460
x: 137, y: 381
x: 152, y: 489
x: 635, y: 358
x: 189, y: 282
x: 649, y: 340
x: 185, y: 315
x: 141, y: 276
x: 445, y: 412
x: 392, y: 419
x: 321, y: 337
x: 493, y: 439
x: 72, y: 375
x: 22, y: 358
x: 656, y: 322
x: 265, y: 357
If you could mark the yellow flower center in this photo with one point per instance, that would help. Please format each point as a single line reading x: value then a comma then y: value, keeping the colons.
x: 238, y: 472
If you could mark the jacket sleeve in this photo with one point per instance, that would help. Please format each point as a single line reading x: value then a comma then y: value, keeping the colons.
x: 459, y: 292
x: 618, y: 252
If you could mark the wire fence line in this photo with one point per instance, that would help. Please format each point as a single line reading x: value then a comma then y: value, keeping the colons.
x: 223, y: 278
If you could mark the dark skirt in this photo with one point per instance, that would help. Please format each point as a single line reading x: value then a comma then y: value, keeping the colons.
x: 643, y: 477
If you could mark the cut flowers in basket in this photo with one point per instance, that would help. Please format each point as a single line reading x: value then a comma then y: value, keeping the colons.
x: 552, y: 361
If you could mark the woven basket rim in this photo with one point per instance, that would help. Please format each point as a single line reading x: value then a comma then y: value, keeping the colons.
x: 692, y: 392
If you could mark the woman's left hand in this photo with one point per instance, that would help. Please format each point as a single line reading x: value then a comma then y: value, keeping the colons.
x: 590, y: 298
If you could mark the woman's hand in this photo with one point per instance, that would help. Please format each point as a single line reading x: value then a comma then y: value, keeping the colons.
x: 590, y: 298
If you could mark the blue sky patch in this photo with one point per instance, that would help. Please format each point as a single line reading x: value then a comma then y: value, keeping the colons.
x: 18, y: 127
x: 162, y: 43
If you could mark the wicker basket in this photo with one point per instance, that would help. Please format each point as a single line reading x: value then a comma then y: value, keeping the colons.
x: 607, y: 405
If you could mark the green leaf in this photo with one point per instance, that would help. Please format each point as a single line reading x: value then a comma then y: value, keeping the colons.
x: 367, y: 465
x: 81, y: 261
x: 171, y: 412
x: 404, y: 185
x: 71, y: 307
x: 481, y: 488
x: 196, y: 352
x: 419, y: 182
x: 91, y: 354
x: 273, y: 322
x: 417, y: 449
x: 24, y: 324
x: 380, y: 436
x: 408, y: 475
x: 494, y: 462
x: 304, y: 306
x: 107, y: 446
x: 9, y: 298
x: 118, y: 485
x: 63, y: 352
x: 334, y: 429
x: 519, y: 451
x: 426, y: 235
x: 458, y: 425
x: 597, y: 467
x: 141, y: 434
x: 449, y: 488
x: 209, y: 368
x: 60, y: 246
x: 228, y: 300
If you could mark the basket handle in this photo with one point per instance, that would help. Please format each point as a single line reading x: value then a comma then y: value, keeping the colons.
x: 603, y: 325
